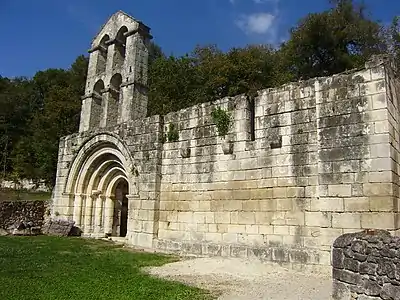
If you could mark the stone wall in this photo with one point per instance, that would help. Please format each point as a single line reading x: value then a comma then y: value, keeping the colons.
x: 319, y: 166
x: 323, y: 162
x: 16, y: 212
x: 24, y: 184
x: 366, y: 266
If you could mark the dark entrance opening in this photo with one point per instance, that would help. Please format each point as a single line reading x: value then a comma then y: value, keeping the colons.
x: 120, y: 223
x: 124, y: 217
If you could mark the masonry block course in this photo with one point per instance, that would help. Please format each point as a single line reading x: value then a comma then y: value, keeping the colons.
x: 324, y: 160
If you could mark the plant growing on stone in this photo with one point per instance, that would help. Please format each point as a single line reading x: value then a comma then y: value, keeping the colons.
x: 222, y: 119
x: 172, y: 134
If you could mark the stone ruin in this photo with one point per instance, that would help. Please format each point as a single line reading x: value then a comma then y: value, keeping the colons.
x: 300, y: 165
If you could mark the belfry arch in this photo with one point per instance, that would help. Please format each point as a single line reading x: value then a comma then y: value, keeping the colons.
x: 99, y: 183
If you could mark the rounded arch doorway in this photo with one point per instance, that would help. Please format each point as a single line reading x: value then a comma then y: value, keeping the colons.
x: 120, y: 209
x: 99, y: 183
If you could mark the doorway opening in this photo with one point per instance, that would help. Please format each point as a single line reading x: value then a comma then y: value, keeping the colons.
x: 120, y: 221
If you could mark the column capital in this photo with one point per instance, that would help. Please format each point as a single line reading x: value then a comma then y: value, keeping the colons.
x: 96, y: 193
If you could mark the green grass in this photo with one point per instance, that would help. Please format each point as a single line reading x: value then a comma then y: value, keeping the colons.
x: 23, y: 195
x: 73, y: 268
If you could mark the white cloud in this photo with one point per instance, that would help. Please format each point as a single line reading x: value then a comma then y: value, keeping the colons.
x: 257, y: 23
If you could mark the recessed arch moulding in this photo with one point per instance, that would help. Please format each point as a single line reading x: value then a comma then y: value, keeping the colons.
x: 106, y: 179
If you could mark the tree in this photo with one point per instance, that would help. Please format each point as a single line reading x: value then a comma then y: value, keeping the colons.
x: 58, y: 93
x: 333, y: 41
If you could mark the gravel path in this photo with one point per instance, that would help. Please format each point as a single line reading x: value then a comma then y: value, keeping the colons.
x: 239, y: 279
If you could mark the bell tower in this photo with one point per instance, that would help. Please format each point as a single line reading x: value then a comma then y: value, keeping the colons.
x: 116, y: 85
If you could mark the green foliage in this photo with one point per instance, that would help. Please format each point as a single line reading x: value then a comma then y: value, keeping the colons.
x: 37, y: 113
x: 172, y: 133
x: 223, y: 121
x: 332, y: 41
x: 74, y: 268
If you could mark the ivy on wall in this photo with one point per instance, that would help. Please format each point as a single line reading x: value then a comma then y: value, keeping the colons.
x: 172, y: 133
x: 222, y: 120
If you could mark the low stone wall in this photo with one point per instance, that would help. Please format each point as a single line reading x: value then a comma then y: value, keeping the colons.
x: 25, y: 184
x: 16, y: 212
x: 366, y: 266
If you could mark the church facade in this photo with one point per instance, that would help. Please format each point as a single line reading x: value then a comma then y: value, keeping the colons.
x: 300, y: 165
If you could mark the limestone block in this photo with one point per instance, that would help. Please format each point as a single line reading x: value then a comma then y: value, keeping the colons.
x: 233, y: 228
x: 381, y: 127
x: 383, y: 176
x: 284, y: 204
x: 280, y: 230
x: 251, y: 205
x: 327, y: 204
x: 213, y: 237
x: 245, y: 218
x: 346, y: 220
x: 379, y: 204
x: 252, y: 229
x: 278, y: 192
x: 295, y: 218
x: 231, y: 238
x: 356, y: 204
x: 339, y: 190
x: 378, y: 189
x: 318, y: 219
x: 264, y: 229
x: 295, y: 192
x: 185, y: 217
x: 378, y: 101
x: 379, y: 221
x: 222, y: 217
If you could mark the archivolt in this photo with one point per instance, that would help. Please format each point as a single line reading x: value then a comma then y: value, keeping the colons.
x: 100, y: 160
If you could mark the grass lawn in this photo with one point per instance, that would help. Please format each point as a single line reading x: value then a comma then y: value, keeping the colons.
x: 73, y: 268
x: 16, y: 195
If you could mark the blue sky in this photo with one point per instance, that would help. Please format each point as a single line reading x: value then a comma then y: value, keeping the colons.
x: 42, y: 34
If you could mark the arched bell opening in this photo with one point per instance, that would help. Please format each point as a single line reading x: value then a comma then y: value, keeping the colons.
x: 120, y: 47
x: 102, y: 56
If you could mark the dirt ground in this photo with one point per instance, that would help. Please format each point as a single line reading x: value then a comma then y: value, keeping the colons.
x: 240, y: 279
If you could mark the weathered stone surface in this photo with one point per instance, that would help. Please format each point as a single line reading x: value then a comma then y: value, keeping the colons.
x: 378, y: 276
x: 22, y: 214
x: 58, y: 227
x: 340, y: 291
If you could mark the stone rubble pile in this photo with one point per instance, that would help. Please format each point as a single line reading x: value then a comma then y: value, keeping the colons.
x: 30, y: 218
x: 366, y: 266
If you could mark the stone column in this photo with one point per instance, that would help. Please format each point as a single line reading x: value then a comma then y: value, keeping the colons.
x: 78, y: 210
x: 108, y: 214
x: 89, y: 213
x: 99, y: 213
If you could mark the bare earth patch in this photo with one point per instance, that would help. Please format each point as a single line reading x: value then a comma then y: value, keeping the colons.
x: 239, y: 279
